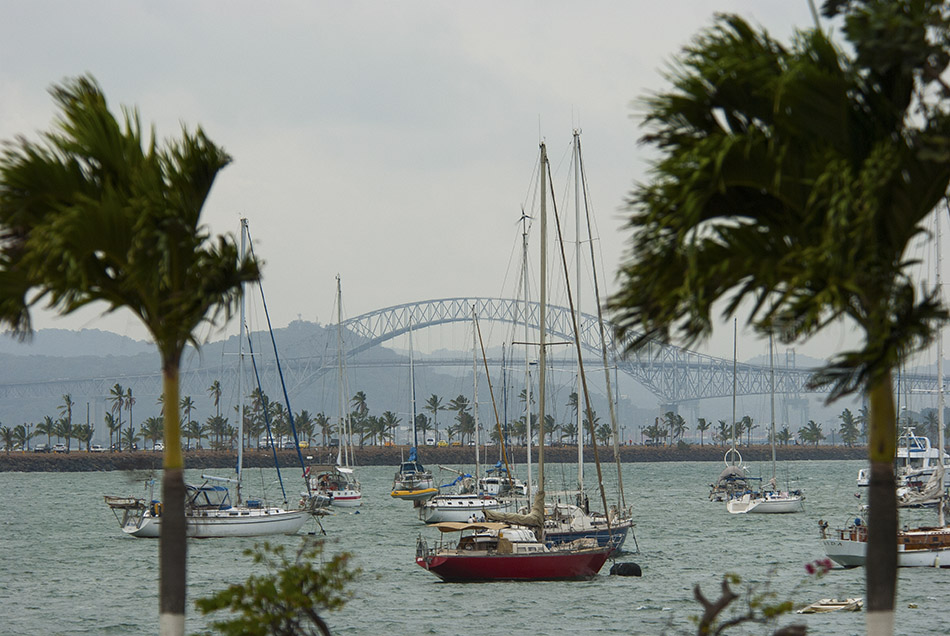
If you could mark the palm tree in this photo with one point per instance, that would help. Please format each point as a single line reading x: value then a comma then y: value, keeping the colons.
x: 373, y: 428
x: 569, y: 432
x: 129, y: 403
x: 6, y: 436
x: 724, y: 432
x: 215, y: 392
x: 460, y: 405
x: 783, y: 436
x: 771, y: 159
x: 20, y: 436
x: 390, y: 422
x: 84, y: 433
x: 423, y: 424
x: 95, y: 211
x: 434, y: 405
x: 849, y: 427
x: 811, y: 433
x: 305, y: 425
x: 117, y: 398
x: 152, y: 429
x: 63, y: 430
x: 131, y: 436
x: 359, y: 415
x: 46, y: 427
x: 572, y: 406
x: 193, y: 430
x: 187, y: 405
x: 322, y: 422
x: 218, y: 431
x: 115, y: 427
x: 702, y: 426
x: 66, y: 411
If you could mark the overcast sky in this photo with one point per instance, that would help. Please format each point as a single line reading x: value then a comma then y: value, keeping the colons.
x: 392, y: 143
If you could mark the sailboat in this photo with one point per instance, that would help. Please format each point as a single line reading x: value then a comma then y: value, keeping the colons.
x: 924, y: 546
x: 769, y: 500
x: 511, y: 546
x: 732, y: 480
x: 412, y: 481
x: 565, y: 522
x: 337, y: 485
x: 465, y: 504
x: 209, y: 511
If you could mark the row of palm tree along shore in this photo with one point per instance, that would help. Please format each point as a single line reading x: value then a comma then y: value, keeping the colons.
x: 217, y: 432
x: 390, y: 455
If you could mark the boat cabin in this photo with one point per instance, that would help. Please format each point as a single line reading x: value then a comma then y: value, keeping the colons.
x: 207, y: 497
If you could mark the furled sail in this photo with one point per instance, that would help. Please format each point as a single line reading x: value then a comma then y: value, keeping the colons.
x: 534, y: 519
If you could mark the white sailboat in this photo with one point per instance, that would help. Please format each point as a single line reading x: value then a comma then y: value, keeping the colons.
x: 208, y: 509
x: 770, y: 500
x: 465, y: 504
x: 337, y: 485
x: 732, y: 480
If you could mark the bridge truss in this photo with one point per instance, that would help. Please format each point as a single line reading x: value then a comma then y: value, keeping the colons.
x: 674, y: 375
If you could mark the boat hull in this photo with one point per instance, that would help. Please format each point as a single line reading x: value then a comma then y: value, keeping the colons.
x: 457, y: 508
x: 545, y: 566
x: 615, y: 537
x: 421, y: 493
x: 781, y: 504
x: 224, y: 523
x: 918, y: 548
x: 345, y: 498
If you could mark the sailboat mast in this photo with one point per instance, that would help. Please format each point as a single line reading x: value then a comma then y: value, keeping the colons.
x: 527, y: 352
x: 772, y: 401
x: 542, y: 330
x: 940, y: 398
x: 735, y: 349
x: 475, y: 384
x: 577, y: 290
x: 241, y: 331
x: 339, y: 361
x: 412, y: 392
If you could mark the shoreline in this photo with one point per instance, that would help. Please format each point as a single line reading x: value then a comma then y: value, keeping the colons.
x: 83, y: 461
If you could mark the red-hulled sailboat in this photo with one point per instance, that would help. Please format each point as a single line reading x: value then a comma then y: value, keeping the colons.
x: 492, y: 551
x: 513, y: 548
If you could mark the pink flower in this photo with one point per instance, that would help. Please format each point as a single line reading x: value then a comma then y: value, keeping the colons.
x: 810, y: 568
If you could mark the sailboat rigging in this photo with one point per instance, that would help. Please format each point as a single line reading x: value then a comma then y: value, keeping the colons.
x: 732, y: 480
x: 511, y: 546
x: 770, y: 500
x: 412, y: 481
x: 573, y: 521
x: 330, y: 484
x: 466, y: 504
x: 208, y: 509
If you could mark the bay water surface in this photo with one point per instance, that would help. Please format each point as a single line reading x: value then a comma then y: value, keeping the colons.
x: 66, y: 568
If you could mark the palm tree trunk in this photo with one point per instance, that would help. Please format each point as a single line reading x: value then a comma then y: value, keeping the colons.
x: 172, y: 547
x: 881, y: 559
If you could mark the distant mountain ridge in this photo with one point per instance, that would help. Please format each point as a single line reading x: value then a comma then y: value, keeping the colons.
x: 65, y: 343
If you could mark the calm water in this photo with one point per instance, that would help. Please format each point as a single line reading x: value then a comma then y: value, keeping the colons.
x: 65, y: 567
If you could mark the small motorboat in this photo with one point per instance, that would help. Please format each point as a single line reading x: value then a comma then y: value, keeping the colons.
x: 833, y: 605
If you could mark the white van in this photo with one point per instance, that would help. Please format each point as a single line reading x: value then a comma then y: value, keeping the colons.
x: 430, y: 441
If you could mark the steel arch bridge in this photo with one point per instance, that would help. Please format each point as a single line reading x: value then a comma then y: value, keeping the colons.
x: 674, y: 375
